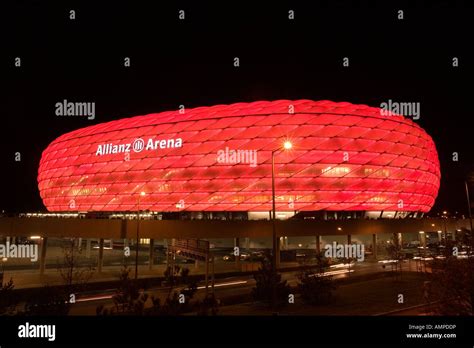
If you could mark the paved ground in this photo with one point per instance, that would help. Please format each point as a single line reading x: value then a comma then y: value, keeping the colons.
x: 230, y: 287
x: 360, y: 298
x: 32, y: 278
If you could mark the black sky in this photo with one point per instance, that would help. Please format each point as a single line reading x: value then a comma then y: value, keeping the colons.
x: 190, y: 62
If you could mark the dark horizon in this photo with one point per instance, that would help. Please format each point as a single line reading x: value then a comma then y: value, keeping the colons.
x: 190, y: 62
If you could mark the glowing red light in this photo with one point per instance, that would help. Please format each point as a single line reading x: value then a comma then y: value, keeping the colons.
x: 342, y: 157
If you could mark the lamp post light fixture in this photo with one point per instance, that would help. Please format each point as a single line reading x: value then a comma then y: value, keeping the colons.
x: 142, y: 194
x: 287, y: 145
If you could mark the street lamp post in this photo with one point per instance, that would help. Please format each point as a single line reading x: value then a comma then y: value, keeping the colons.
x: 287, y: 145
x: 274, y: 236
x: 138, y: 229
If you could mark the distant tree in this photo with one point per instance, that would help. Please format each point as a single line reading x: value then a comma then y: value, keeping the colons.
x: 190, y: 283
x: 315, y: 287
x: 453, y: 278
x: 127, y: 298
x: 394, y: 251
x: 57, y: 300
x: 178, y: 276
x: 129, y: 301
x: 8, y: 298
x: 74, y: 276
x: 265, y: 280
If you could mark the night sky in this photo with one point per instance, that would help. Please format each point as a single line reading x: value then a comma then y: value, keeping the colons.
x: 190, y: 62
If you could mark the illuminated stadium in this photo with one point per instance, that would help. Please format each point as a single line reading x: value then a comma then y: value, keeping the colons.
x: 343, y: 157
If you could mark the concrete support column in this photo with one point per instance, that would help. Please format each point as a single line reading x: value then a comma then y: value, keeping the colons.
x: 374, y: 245
x: 44, y: 246
x: 152, y: 254
x: 400, y: 239
x: 79, y: 244
x: 422, y: 239
x: 88, y: 248
x: 213, y: 280
x: 167, y: 252
x: 126, y: 244
x: 112, y: 244
x: 100, y: 262
x: 349, y: 239
x: 440, y: 237
x: 206, y: 279
x: 318, y: 244
x: 196, y: 264
x: 237, y: 258
x: 278, y: 253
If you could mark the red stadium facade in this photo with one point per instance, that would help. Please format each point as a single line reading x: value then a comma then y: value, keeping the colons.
x: 343, y: 157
